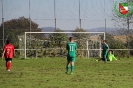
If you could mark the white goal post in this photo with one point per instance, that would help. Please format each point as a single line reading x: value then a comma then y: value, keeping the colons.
x: 29, y: 34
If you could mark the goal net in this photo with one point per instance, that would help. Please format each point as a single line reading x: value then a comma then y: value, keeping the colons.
x: 53, y: 44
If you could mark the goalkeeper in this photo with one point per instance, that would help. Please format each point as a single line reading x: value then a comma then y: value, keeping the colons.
x: 71, y: 56
x: 111, y: 56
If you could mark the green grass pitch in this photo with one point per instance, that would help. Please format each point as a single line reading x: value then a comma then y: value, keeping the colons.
x: 50, y: 73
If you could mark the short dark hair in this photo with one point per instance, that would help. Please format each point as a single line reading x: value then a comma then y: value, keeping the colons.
x: 104, y: 40
x: 71, y: 38
x: 7, y: 41
x: 110, y: 51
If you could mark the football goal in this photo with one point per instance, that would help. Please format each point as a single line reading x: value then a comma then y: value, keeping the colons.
x: 53, y: 44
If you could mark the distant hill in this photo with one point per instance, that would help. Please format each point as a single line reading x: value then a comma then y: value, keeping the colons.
x: 48, y: 29
x: 116, y: 33
x: 52, y: 29
x: 101, y: 29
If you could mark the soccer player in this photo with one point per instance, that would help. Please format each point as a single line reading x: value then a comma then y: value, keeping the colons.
x: 8, y: 53
x: 111, y: 56
x: 105, y: 48
x: 71, y: 55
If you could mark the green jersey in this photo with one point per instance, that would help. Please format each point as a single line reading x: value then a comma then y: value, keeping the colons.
x: 71, y: 47
x: 105, y: 47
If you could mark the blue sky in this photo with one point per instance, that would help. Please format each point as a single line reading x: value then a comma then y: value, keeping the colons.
x: 92, y: 12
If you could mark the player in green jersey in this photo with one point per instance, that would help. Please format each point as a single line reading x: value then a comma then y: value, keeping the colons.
x: 71, y: 55
x: 105, y: 48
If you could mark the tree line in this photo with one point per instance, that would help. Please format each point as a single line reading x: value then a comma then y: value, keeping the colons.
x: 16, y: 27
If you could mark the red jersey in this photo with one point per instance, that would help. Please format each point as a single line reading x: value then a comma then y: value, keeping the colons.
x: 9, y: 50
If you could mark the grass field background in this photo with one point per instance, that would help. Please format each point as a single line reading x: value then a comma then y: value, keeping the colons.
x: 50, y: 73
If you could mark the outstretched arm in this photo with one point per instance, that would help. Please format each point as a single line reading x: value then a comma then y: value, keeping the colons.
x: 114, y: 57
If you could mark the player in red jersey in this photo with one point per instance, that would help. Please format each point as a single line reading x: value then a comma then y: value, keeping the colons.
x: 8, y: 53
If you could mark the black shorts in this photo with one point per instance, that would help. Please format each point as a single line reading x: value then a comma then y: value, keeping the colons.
x: 8, y: 59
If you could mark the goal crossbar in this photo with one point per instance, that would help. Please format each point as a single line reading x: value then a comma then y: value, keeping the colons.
x: 62, y: 33
x: 69, y: 32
